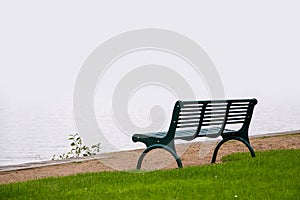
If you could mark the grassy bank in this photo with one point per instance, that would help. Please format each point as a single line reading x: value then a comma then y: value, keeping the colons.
x: 271, y: 175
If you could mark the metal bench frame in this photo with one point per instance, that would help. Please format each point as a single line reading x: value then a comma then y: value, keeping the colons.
x: 208, y: 119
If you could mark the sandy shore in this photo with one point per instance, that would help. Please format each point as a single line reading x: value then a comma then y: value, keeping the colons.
x: 197, y: 153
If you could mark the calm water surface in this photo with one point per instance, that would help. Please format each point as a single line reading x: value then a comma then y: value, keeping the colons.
x: 34, y: 133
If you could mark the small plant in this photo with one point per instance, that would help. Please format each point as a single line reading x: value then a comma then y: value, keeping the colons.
x: 78, y: 149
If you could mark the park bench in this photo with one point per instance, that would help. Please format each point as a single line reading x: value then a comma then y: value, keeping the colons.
x: 229, y: 119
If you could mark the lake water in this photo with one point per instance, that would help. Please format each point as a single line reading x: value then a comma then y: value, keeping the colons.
x: 34, y: 133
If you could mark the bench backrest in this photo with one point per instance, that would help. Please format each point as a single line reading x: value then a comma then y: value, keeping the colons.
x: 206, y: 116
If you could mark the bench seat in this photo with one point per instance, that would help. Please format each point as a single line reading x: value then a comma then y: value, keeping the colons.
x: 182, y: 135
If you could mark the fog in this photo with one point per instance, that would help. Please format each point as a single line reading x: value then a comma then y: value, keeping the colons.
x: 254, y: 45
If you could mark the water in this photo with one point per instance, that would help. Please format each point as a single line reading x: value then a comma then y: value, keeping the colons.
x: 30, y: 133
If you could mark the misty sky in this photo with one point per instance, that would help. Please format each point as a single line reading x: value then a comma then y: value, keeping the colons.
x: 254, y: 45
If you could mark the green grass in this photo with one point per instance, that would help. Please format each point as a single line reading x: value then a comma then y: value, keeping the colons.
x: 271, y: 175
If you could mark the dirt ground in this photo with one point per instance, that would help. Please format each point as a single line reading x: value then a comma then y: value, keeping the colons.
x: 197, y: 153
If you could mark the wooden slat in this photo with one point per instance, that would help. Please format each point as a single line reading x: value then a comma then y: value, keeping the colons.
x: 191, y: 110
x: 189, y: 114
x: 215, y: 113
x: 238, y: 108
x: 187, y: 126
x: 191, y: 102
x: 188, y: 122
x: 193, y: 106
x: 237, y: 111
x: 213, y: 123
x: 188, y: 118
x: 216, y: 106
x: 216, y: 109
x: 235, y: 117
x: 239, y: 104
x: 214, y: 120
x: 235, y: 122
x: 214, y: 116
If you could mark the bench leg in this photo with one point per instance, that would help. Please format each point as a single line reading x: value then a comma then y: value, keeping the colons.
x: 156, y: 146
x: 227, y: 139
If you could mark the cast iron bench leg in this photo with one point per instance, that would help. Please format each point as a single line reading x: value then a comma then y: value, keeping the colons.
x: 227, y: 139
x: 156, y: 146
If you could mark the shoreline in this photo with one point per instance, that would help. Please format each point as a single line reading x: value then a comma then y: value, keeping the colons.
x: 194, y: 153
x: 38, y: 164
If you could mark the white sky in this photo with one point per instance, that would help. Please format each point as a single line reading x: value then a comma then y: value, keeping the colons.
x: 255, y: 45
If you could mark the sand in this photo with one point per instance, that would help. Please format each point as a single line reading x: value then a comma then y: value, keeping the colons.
x: 196, y: 153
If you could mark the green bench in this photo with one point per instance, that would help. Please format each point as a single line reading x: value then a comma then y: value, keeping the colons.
x: 229, y: 119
